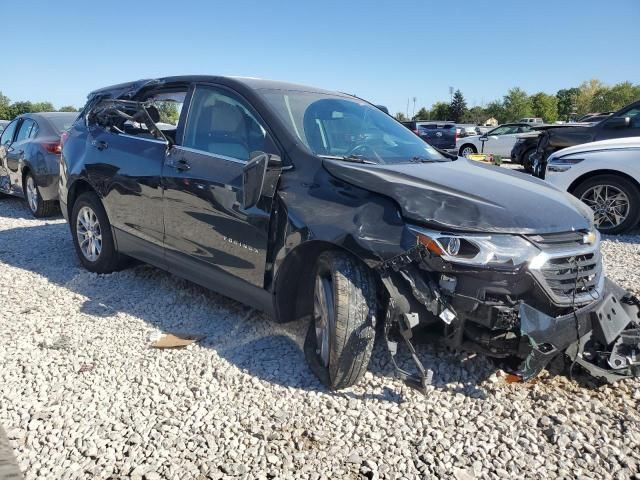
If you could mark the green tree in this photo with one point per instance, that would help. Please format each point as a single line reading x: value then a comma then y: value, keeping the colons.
x: 458, y: 107
x: 68, y: 108
x: 401, y: 117
x: 42, y: 107
x: 586, y: 95
x: 616, y: 97
x: 545, y: 106
x: 168, y: 112
x: 440, y: 111
x: 516, y: 104
x: 566, y: 102
x: 5, y: 108
x: 495, y: 110
x: 475, y: 115
x: 422, y: 114
x: 18, y: 108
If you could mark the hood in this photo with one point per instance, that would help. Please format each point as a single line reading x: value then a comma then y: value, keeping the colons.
x: 464, y: 195
x: 611, y: 144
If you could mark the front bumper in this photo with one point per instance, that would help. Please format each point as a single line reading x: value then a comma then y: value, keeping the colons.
x: 602, y: 337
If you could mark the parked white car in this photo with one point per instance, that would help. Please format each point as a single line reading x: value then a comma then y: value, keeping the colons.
x: 498, y: 141
x: 606, y: 176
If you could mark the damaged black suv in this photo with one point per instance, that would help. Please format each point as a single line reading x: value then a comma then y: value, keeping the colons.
x: 316, y: 205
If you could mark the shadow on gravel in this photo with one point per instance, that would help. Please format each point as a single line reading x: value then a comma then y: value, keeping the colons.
x: 244, y: 337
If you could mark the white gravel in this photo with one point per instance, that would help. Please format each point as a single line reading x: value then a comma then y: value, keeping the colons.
x: 83, y: 396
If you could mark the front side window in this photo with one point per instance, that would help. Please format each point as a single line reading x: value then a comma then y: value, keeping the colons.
x: 25, y: 129
x: 7, y: 135
x: 345, y: 127
x: 221, y: 124
x: 503, y: 130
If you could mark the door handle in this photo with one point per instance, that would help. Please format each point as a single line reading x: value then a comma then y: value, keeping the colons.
x: 181, y: 165
x: 100, y: 145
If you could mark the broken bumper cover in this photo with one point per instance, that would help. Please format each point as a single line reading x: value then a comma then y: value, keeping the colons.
x: 602, y: 337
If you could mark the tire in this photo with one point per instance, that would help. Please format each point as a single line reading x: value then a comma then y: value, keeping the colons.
x: 39, y: 208
x: 614, y: 182
x: 526, y: 161
x: 107, y: 259
x: 467, y: 149
x: 350, y: 287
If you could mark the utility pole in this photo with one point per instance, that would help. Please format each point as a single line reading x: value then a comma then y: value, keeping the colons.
x: 414, y: 106
x: 451, y: 93
x: 408, y: 109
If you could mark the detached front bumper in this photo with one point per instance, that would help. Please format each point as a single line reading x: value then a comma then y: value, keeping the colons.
x: 602, y: 337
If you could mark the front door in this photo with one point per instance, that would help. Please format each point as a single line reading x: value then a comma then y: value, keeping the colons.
x: 208, y: 233
x: 606, y: 132
x: 16, y: 154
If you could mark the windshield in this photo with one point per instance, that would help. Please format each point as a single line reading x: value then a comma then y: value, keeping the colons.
x: 335, y: 126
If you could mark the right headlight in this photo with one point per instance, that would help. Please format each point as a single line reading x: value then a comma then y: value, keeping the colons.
x: 562, y: 164
x: 479, y: 250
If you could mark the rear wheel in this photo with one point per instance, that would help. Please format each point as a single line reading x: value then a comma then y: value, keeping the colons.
x: 340, y: 338
x: 615, y: 202
x: 467, y: 150
x: 92, y: 235
x: 39, y: 207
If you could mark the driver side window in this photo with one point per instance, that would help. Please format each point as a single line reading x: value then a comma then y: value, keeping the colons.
x: 222, y: 124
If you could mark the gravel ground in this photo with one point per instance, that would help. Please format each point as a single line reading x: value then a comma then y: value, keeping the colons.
x: 83, y: 396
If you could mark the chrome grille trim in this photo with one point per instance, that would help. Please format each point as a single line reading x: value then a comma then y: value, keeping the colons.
x: 556, y: 270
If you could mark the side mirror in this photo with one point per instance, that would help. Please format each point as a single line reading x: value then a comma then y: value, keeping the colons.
x: 253, y: 176
x: 618, y: 122
x: 483, y: 138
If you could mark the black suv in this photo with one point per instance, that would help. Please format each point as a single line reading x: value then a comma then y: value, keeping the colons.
x: 623, y: 123
x: 315, y: 205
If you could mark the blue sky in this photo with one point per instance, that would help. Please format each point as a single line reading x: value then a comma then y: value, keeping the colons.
x: 384, y: 51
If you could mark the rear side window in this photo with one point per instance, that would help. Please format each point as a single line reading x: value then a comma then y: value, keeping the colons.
x: 7, y: 135
x: 27, y: 130
x: 221, y: 124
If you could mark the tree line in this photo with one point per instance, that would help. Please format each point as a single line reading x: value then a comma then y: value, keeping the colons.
x: 566, y: 104
x: 9, y: 110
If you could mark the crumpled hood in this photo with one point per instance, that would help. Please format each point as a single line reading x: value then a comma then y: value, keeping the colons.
x: 465, y: 195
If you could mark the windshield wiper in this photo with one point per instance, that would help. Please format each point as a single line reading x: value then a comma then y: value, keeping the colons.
x: 425, y: 160
x: 349, y: 158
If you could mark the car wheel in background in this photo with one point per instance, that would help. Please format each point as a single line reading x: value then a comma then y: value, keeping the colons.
x: 615, y: 202
x: 340, y: 338
x: 39, y: 207
x: 467, y: 150
x: 92, y: 236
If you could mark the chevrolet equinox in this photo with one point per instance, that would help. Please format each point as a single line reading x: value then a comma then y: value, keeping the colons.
x: 309, y: 204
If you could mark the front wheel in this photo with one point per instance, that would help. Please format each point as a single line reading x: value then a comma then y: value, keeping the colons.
x: 615, y: 202
x: 92, y: 235
x: 340, y: 338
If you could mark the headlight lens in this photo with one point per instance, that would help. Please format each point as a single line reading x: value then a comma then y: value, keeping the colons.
x: 494, y: 250
x: 562, y: 164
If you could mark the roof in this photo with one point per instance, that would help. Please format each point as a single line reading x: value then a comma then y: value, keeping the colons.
x: 129, y: 88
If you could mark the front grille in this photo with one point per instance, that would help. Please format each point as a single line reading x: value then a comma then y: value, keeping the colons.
x: 572, y: 270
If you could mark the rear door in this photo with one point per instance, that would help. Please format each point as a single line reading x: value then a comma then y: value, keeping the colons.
x: 208, y: 233
x: 16, y: 154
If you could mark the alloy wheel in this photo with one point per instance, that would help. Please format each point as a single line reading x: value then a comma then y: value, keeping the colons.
x: 467, y: 151
x: 32, y: 193
x: 89, y: 234
x: 323, y: 313
x: 610, y: 205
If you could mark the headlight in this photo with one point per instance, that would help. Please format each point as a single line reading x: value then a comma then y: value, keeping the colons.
x: 496, y: 250
x: 562, y: 164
